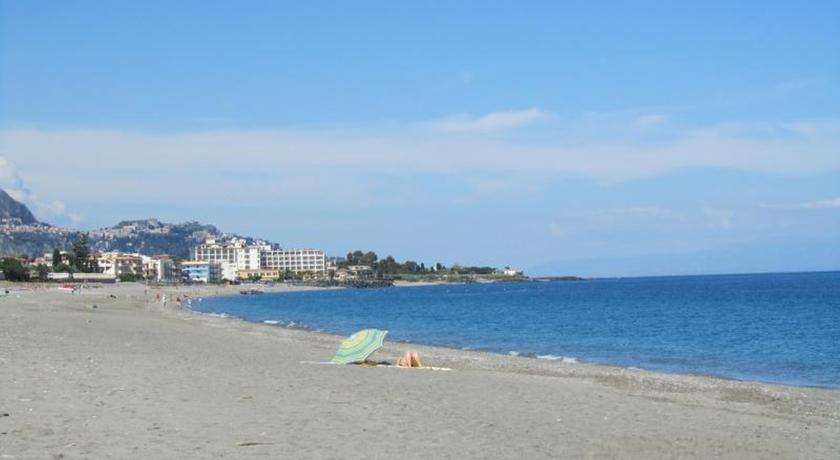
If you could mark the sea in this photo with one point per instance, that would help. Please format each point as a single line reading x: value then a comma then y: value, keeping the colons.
x: 778, y: 328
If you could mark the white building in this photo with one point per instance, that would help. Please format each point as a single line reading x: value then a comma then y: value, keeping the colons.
x: 153, y: 268
x: 228, y: 271
x: 236, y: 256
x: 294, y: 260
x: 235, y: 251
x: 158, y: 268
x: 213, y: 251
x: 118, y: 263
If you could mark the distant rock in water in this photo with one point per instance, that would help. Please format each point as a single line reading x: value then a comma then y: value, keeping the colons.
x: 13, y: 211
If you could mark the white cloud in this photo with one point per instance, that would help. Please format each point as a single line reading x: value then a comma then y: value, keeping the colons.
x: 226, y: 152
x: 329, y: 165
x: 492, y: 122
x: 13, y: 184
x: 823, y: 204
x: 651, y: 120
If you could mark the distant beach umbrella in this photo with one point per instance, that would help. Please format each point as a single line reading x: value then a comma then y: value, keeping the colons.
x: 359, y: 346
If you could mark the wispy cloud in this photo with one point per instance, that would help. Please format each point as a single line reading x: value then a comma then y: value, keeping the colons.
x: 336, y: 162
x: 830, y: 203
x: 649, y: 120
x: 491, y: 122
x: 823, y: 204
x: 411, y: 149
x: 13, y: 184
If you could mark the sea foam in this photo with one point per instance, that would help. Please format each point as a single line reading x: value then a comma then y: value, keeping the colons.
x: 565, y: 359
x: 218, y: 315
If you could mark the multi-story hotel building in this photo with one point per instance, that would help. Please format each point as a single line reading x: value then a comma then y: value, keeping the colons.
x: 294, y: 260
x: 239, y: 259
x: 232, y: 251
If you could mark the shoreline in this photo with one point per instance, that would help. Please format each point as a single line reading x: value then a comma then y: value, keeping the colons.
x: 526, y: 363
x: 209, y: 291
x: 507, y: 354
x: 129, y: 379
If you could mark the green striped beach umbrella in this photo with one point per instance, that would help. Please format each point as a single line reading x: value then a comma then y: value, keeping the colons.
x: 359, y: 346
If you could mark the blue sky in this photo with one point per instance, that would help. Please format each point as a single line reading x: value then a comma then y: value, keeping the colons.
x: 595, y: 138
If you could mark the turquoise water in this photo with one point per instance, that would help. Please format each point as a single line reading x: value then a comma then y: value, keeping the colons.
x: 781, y: 328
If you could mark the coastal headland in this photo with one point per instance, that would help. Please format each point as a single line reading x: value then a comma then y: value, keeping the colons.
x: 109, y: 372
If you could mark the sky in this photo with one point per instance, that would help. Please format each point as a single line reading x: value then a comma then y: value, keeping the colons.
x: 588, y: 138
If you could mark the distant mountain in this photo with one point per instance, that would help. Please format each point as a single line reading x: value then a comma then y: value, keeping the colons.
x: 34, y: 240
x: 12, y: 210
x: 150, y: 236
x: 22, y: 234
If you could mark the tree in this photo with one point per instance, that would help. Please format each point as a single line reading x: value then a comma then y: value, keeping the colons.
x: 43, y: 272
x: 355, y: 257
x: 370, y: 258
x: 81, y: 254
x: 13, y: 270
x: 362, y: 258
x: 56, y: 258
x: 410, y: 266
x: 389, y: 266
x: 64, y: 268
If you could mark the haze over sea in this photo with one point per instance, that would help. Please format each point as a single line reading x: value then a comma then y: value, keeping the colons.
x: 779, y: 328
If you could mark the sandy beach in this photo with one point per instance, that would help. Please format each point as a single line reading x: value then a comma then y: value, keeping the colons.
x: 132, y: 379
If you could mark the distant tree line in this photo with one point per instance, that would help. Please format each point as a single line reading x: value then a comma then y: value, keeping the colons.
x: 14, y: 270
x: 79, y: 259
x: 390, y: 266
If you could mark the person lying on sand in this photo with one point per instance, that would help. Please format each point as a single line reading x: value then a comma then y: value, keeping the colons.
x: 409, y: 359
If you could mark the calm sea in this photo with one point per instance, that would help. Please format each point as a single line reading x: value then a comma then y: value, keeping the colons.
x: 782, y: 328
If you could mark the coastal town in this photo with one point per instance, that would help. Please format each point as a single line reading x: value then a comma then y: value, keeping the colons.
x: 152, y: 251
x: 232, y: 260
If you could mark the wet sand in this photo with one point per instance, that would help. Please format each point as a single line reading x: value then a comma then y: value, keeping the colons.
x: 131, y: 379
